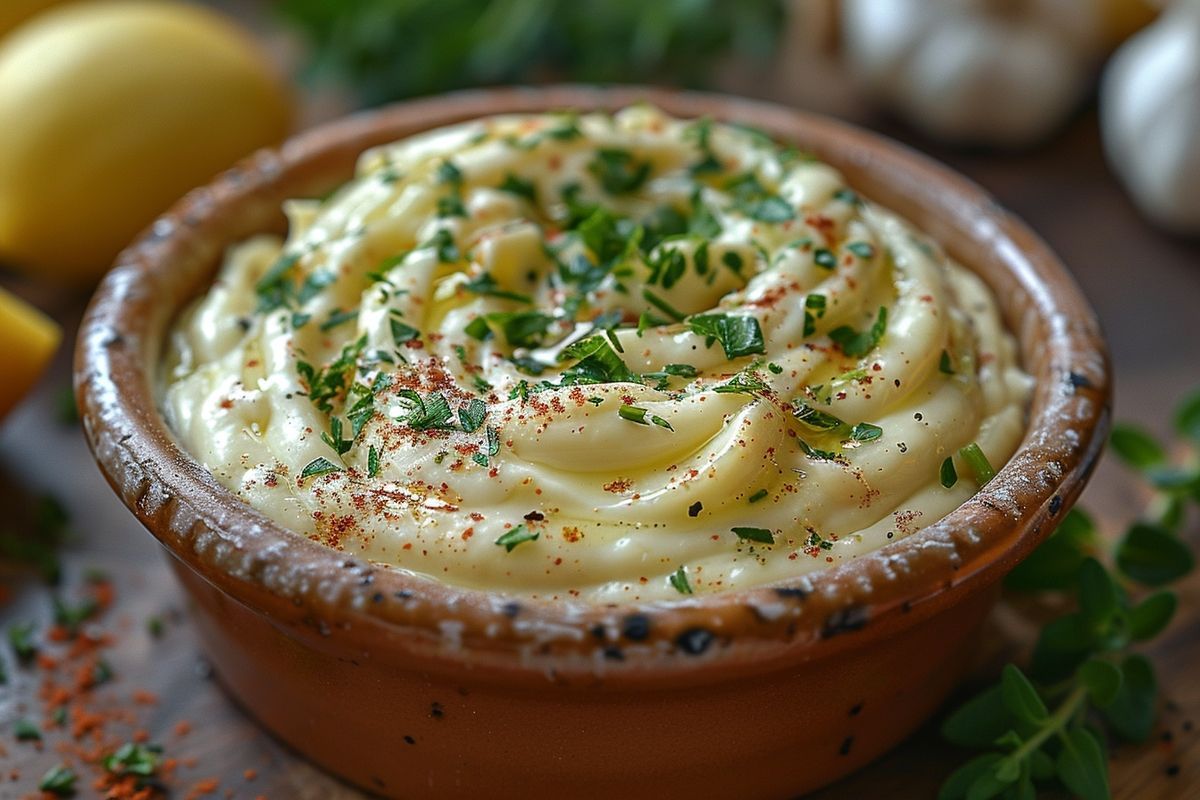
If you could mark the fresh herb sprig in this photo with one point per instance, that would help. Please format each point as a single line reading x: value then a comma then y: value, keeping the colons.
x: 1087, y: 681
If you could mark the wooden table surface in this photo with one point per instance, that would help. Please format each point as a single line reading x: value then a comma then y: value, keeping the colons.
x: 1145, y: 286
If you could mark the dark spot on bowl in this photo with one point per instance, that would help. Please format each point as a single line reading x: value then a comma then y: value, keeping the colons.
x: 598, y: 631
x: 844, y: 620
x: 1077, y: 380
x: 378, y: 782
x: 349, y: 564
x: 409, y: 740
x: 791, y: 592
x: 635, y: 627
x: 1172, y: 770
x: 695, y: 508
x: 614, y: 653
x: 510, y: 609
x: 403, y: 594
x: 856, y: 709
x: 114, y: 341
x: 1055, y: 504
x: 436, y: 711
x: 694, y: 641
x: 847, y: 743
x: 377, y: 597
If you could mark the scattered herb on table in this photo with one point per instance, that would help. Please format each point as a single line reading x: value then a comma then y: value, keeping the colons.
x: 1087, y: 682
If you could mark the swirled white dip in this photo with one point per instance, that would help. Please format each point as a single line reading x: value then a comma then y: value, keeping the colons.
x: 606, y: 357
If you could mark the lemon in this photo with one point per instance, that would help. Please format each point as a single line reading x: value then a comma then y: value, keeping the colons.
x: 28, y: 339
x: 14, y: 12
x: 113, y: 110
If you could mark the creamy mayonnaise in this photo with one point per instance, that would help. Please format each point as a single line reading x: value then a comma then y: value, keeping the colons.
x: 614, y: 358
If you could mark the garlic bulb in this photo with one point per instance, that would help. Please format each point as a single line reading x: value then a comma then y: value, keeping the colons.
x: 1150, y: 117
x: 993, y: 72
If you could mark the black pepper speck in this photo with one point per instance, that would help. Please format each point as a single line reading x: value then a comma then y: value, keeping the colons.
x: 409, y: 740
x: 436, y: 711
x: 695, y: 508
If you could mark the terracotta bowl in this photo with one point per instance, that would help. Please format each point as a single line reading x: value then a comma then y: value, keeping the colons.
x: 410, y: 688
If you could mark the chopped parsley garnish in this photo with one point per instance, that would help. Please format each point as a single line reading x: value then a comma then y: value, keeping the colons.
x: 662, y: 305
x: 815, y: 418
x: 597, y: 362
x: 609, y: 237
x: 814, y: 309
x: 861, y: 249
x: 26, y: 731
x: 733, y: 260
x: 978, y: 463
x: 338, y: 317
x: 945, y: 365
x: 132, y: 758
x: 760, y: 535
x: 618, y: 171
x: 334, y: 437
x: 520, y: 328
x: 667, y: 265
x: 431, y: 412
x: 761, y: 494
x: 515, y: 536
x: 274, y: 288
x: 372, y: 462
x: 679, y: 581
x: 642, y: 417
x: 681, y: 370
x: 846, y: 196
x: 443, y: 243
x: 755, y: 201
x: 483, y: 457
x: 813, y: 452
x: 948, y: 475
x: 319, y: 466
x: 854, y: 343
x: 741, y: 383
x: 471, y: 416
x: 824, y: 258
x: 450, y: 206
x: 865, y: 432
x: 522, y: 188
x: 485, y: 284
x: 700, y: 133
x: 739, y: 335
x: 448, y: 173
x: 59, y: 780
x: 815, y: 540
x: 326, y: 384
x: 20, y: 638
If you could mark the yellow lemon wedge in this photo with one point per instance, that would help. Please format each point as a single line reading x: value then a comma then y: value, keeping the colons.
x: 28, y: 339
x: 113, y: 110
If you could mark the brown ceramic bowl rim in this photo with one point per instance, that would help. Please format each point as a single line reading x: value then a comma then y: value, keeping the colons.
x: 259, y: 563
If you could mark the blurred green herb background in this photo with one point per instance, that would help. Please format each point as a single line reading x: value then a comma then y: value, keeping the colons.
x: 389, y: 49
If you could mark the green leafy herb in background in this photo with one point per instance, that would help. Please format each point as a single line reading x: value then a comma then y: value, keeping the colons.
x: 390, y: 49
x: 1086, y: 682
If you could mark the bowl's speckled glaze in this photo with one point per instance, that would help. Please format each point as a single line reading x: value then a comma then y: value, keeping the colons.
x: 411, y: 688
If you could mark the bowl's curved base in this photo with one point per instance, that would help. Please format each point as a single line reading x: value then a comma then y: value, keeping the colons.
x: 407, y: 733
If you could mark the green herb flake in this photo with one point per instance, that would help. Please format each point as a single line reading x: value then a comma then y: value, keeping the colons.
x: 948, y: 474
x: 618, y: 171
x: 522, y: 188
x: 642, y: 417
x: 761, y: 494
x: 133, y: 758
x: 372, y: 462
x: 449, y: 174
x: 865, y: 432
x: 59, y: 780
x: 977, y: 462
x: 814, y: 309
x: 679, y: 581
x: 739, y: 335
x: 824, y: 258
x: 318, y: 466
x: 862, y: 250
x: 26, y: 731
x: 760, y: 535
x: 856, y: 344
x: 20, y: 639
x: 515, y: 536
x: 471, y: 416
x: 945, y: 364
